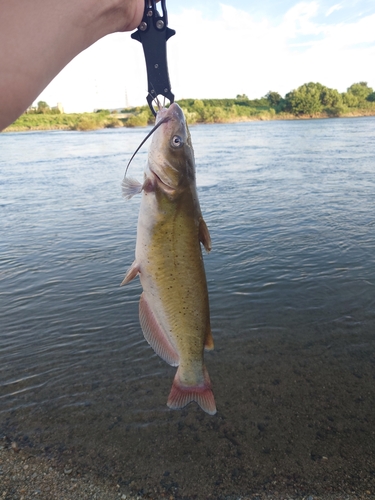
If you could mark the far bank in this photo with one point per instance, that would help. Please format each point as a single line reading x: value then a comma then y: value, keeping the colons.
x: 91, y: 121
x: 311, y: 100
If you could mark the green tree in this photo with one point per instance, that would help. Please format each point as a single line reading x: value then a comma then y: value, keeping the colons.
x: 350, y: 99
x: 273, y: 98
x: 199, y: 108
x: 311, y: 98
x: 361, y: 90
x: 43, y: 107
x: 371, y: 97
x: 305, y: 100
x: 330, y: 97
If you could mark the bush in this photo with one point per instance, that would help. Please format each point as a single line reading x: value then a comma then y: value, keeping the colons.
x: 113, y: 122
x: 191, y: 117
x: 86, y: 123
x: 215, y: 114
x: 140, y: 120
x: 336, y: 111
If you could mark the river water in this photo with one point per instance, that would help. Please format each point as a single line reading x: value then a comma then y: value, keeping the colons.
x: 291, y: 211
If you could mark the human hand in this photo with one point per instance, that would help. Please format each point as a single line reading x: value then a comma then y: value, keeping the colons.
x: 39, y: 38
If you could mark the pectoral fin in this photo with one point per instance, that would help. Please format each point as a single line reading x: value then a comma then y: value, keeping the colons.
x: 130, y: 187
x: 204, y: 235
x: 131, y: 274
x: 155, y: 335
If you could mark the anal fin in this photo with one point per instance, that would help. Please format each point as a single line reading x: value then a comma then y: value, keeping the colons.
x: 155, y: 335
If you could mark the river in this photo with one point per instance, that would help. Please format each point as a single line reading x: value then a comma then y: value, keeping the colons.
x: 291, y: 210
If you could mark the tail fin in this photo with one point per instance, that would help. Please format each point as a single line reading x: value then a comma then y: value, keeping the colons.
x: 181, y: 395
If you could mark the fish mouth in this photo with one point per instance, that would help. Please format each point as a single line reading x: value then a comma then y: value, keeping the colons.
x: 166, y: 187
x: 162, y: 116
x: 166, y: 114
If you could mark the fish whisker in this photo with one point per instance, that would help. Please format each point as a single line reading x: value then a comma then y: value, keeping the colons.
x: 164, y: 120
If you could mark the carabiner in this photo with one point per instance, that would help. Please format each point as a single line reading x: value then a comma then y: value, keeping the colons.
x: 153, y: 33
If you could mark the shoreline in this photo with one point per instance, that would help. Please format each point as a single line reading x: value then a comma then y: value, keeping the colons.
x: 241, y: 119
x: 309, y: 435
x: 26, y: 474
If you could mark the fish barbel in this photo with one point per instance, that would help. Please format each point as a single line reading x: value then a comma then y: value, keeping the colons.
x: 173, y: 308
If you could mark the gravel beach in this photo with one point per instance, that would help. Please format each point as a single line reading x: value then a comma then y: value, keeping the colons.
x: 24, y: 476
x: 310, y: 432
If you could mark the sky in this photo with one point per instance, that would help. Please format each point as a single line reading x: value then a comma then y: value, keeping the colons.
x: 222, y: 49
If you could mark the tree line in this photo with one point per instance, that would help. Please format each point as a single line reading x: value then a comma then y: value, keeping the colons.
x: 313, y: 98
x: 308, y: 100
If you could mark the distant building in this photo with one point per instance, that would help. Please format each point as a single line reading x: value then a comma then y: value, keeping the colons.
x: 59, y: 106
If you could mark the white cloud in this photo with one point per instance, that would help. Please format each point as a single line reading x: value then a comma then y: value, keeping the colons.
x: 337, y: 6
x: 222, y: 57
x: 298, y: 20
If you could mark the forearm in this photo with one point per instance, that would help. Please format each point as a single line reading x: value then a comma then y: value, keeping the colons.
x: 39, y: 37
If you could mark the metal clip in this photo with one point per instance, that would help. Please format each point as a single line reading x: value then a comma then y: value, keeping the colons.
x: 153, y: 33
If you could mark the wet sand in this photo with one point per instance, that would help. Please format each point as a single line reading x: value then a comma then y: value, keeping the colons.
x: 296, y: 419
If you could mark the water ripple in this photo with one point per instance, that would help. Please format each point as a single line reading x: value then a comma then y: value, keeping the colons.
x: 292, y: 235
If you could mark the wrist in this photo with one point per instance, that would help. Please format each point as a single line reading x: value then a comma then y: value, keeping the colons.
x: 111, y: 16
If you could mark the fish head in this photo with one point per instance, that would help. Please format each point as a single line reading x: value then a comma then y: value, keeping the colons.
x: 171, y: 155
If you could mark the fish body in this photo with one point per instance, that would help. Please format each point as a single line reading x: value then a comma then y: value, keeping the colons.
x: 174, y: 306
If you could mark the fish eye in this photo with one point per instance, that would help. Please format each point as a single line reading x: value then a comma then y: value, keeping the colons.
x: 177, y: 141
